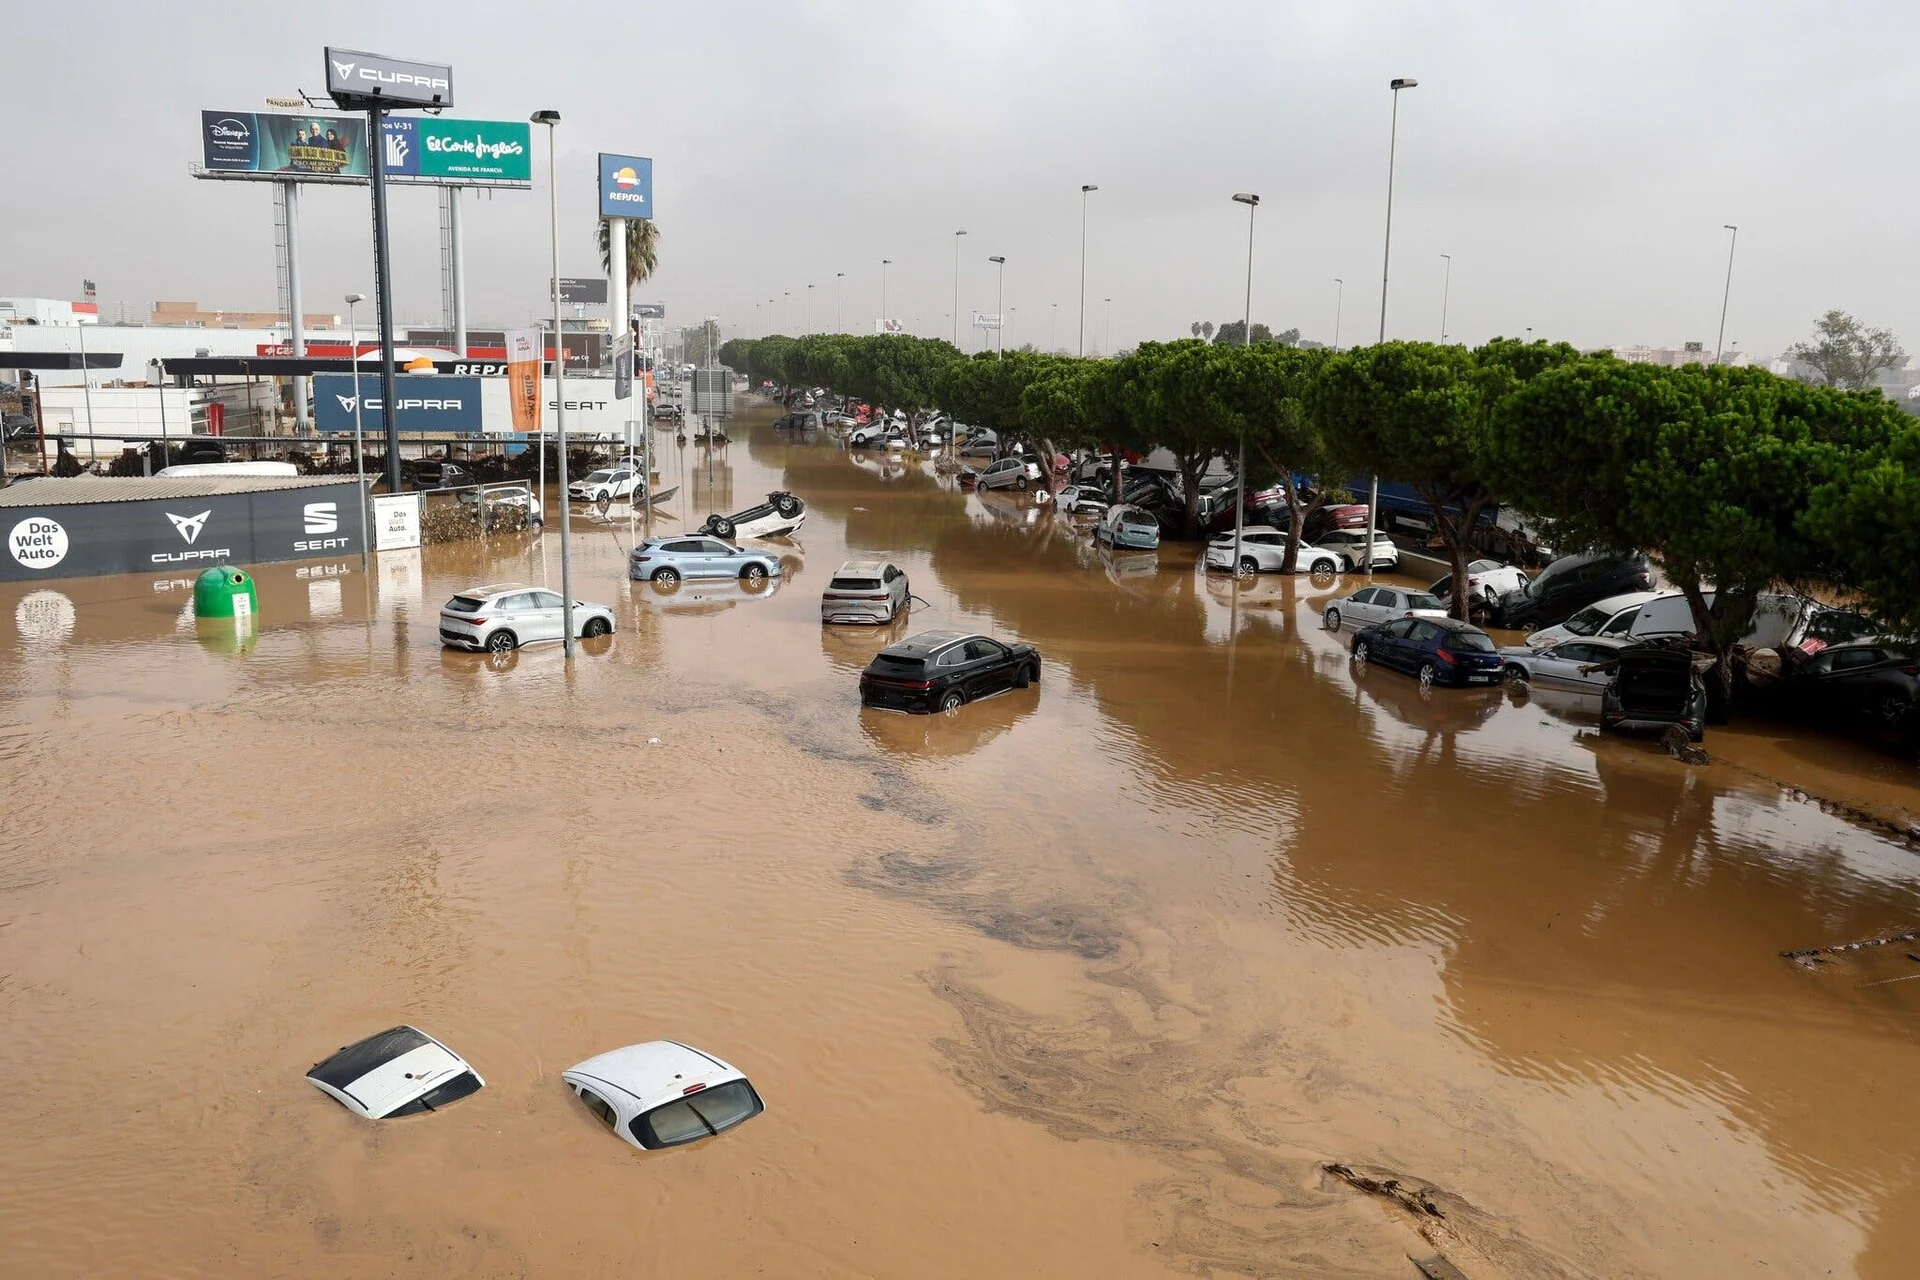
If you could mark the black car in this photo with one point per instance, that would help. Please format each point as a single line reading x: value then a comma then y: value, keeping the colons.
x: 942, y: 670
x: 1654, y: 686
x: 1875, y: 683
x: 1569, y: 585
x: 1437, y: 650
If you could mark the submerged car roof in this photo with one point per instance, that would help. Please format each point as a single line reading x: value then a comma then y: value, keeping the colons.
x: 874, y: 567
x: 655, y: 1072
x: 925, y: 643
x: 387, y: 1070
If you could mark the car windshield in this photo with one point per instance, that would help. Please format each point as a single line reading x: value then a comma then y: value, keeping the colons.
x: 1421, y: 600
x: 597, y: 477
x: 1586, y: 622
x: 854, y: 584
x: 1469, y: 642
x: 465, y: 604
x: 699, y: 1115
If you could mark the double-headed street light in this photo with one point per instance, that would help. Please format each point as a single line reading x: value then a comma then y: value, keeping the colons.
x: 1085, y: 188
x: 999, y: 306
x: 956, y: 287
x: 551, y: 119
x: 1252, y: 202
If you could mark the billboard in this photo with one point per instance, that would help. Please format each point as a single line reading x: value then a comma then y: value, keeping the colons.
x: 626, y: 186
x: 895, y: 327
x: 357, y: 80
x: 588, y: 291
x: 524, y: 350
x: 981, y: 320
x: 441, y: 405
x: 650, y: 310
x: 265, y: 144
x: 270, y: 145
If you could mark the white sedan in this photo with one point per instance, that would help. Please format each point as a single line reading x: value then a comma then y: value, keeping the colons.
x: 1486, y: 580
x: 1379, y: 604
x: 1350, y: 546
x: 1263, y: 549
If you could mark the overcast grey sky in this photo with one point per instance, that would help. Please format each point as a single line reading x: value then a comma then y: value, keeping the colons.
x: 1577, y: 160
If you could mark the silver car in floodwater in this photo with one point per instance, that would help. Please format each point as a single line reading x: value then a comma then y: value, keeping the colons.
x: 667, y: 560
x: 502, y: 617
x: 864, y: 591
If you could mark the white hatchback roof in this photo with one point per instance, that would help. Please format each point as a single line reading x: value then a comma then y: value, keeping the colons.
x: 655, y: 1072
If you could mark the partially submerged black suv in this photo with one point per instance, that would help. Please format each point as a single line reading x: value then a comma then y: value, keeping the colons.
x: 943, y: 670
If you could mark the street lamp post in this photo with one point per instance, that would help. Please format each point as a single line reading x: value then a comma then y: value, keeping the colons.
x: 1053, y: 328
x: 1107, y: 320
x: 1252, y: 202
x: 1386, y: 260
x: 1000, y: 307
x: 359, y: 450
x: 956, y: 287
x: 1339, y: 301
x: 1727, y: 294
x: 1085, y: 188
x: 809, y: 328
x: 884, y: 264
x: 1445, y: 290
x: 839, y: 325
x: 552, y: 119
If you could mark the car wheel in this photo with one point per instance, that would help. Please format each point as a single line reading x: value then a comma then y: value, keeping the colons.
x: 1321, y: 570
x: 603, y: 501
x: 1248, y: 565
x: 1346, y: 564
x: 1360, y: 652
x: 1517, y: 677
x: 666, y: 577
x: 720, y: 527
x: 1332, y: 619
x: 502, y: 642
x: 1428, y: 674
x: 952, y: 702
x: 1021, y: 483
x: 1893, y: 711
x: 753, y: 571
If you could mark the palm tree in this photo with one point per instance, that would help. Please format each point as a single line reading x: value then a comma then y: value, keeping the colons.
x: 643, y: 249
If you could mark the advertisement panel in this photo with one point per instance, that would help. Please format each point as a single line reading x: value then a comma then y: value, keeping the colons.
x: 357, y: 79
x: 154, y: 535
x: 623, y: 367
x: 895, y: 327
x: 587, y: 291
x: 265, y: 144
x: 283, y: 146
x: 626, y: 186
x: 428, y: 402
x: 650, y: 310
x: 524, y: 350
x: 396, y: 521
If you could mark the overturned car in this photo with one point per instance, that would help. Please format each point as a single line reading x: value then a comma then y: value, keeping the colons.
x: 779, y: 515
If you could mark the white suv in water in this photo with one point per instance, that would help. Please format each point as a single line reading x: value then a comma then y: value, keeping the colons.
x: 506, y: 615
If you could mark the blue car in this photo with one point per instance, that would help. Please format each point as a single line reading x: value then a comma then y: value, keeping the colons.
x: 665, y: 561
x: 1438, y: 650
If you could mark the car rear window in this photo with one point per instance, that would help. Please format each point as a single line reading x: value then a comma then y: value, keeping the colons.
x: 898, y: 668
x: 1421, y: 600
x: 698, y: 1115
x: 1585, y: 622
x: 465, y: 604
x: 1469, y: 642
x: 854, y: 584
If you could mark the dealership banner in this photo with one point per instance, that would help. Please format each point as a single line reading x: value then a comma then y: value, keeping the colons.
x: 428, y: 402
x: 524, y: 350
x: 313, y: 517
x: 264, y: 144
x: 283, y: 146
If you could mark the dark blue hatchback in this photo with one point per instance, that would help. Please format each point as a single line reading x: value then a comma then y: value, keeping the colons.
x: 1438, y: 650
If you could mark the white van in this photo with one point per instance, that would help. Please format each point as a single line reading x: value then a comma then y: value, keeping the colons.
x: 1778, y: 621
x: 181, y: 470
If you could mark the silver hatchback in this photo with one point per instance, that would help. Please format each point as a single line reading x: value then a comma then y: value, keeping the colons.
x: 865, y: 591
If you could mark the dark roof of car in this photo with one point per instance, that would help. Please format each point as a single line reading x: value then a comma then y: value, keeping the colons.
x: 356, y: 1060
x: 925, y: 643
x: 1453, y: 624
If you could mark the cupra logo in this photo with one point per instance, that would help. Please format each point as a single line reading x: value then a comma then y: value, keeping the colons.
x: 346, y: 403
x: 343, y: 69
x: 190, y: 526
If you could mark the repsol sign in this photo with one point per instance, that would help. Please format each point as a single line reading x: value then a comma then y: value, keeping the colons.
x: 89, y: 537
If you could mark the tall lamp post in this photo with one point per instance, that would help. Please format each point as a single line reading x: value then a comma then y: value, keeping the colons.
x: 1252, y: 202
x: 1727, y: 294
x: 956, y: 287
x: 551, y: 119
x: 1084, y: 189
x: 839, y: 324
x: 884, y: 264
x: 1445, y: 290
x: 1106, y: 315
x: 809, y: 308
x: 1000, y: 306
x: 1339, y: 300
x: 1386, y: 260
x: 359, y: 446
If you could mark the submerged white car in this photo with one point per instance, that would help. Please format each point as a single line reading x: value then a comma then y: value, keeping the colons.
x: 398, y: 1072
x: 1263, y: 549
x: 663, y: 1093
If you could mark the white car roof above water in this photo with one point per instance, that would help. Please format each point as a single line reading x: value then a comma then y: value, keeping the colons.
x: 656, y: 1072
x: 384, y: 1073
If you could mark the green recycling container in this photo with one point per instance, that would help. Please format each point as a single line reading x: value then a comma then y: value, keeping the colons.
x: 225, y: 592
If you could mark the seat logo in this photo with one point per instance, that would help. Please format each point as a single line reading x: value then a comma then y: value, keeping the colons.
x: 322, y: 517
x: 189, y: 526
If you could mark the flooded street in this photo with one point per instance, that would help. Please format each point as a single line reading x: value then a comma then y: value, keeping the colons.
x: 1095, y: 978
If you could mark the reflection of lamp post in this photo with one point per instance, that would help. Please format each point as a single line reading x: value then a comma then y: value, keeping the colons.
x: 359, y: 453
x: 1000, y: 306
x: 551, y: 119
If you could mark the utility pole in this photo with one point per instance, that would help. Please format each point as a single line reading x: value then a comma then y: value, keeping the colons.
x: 1084, y: 190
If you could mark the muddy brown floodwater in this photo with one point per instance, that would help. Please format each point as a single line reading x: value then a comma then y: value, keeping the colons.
x: 1094, y: 979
